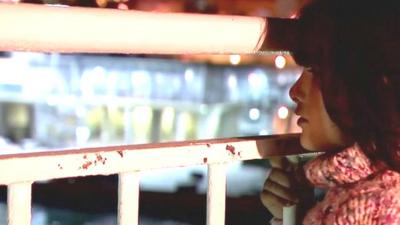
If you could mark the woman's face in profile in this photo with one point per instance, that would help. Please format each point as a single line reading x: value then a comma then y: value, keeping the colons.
x: 319, y: 132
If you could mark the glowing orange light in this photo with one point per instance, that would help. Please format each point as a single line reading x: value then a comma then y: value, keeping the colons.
x: 123, y: 6
x: 294, y: 15
x: 234, y: 59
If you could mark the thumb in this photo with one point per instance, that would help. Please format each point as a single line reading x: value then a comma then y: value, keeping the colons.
x: 281, y: 162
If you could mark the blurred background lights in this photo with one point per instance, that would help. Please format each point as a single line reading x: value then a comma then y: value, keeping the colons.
x: 234, y: 59
x: 189, y: 75
x: 254, y: 114
x: 280, y: 62
x: 123, y: 6
x: 142, y: 117
x: 167, y: 119
x: 263, y: 132
x: 140, y: 77
x: 99, y: 71
x: 203, y: 108
x: 112, y: 82
x: 283, y: 112
x: 82, y: 134
x: 168, y: 114
x: 294, y: 15
x: 92, y: 79
x: 258, y: 79
x: 232, y: 81
x: 254, y: 79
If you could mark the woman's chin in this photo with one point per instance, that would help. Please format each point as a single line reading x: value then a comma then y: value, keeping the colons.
x: 311, y: 146
x: 308, y: 144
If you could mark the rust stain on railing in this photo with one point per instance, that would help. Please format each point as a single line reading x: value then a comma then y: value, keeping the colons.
x: 114, y: 159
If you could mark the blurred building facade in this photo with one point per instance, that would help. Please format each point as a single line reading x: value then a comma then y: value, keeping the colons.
x: 61, y: 101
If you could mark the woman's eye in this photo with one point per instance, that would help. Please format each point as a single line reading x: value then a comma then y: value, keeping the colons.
x: 312, y: 70
x: 309, y: 70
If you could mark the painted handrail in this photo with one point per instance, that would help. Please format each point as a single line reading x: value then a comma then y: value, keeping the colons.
x: 129, y: 160
x: 115, y: 159
x: 41, y: 28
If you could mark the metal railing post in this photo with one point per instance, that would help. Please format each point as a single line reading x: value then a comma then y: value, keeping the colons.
x: 216, y: 194
x: 129, y: 160
x: 128, y: 198
x: 19, y: 196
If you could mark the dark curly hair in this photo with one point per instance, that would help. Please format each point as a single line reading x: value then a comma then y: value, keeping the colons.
x: 353, y: 47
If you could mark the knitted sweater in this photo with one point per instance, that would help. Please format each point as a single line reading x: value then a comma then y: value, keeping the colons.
x: 359, y: 192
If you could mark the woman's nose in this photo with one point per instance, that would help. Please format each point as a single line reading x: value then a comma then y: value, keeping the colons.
x: 295, y: 92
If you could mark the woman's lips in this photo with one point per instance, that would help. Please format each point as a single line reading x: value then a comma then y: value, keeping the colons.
x: 301, y: 121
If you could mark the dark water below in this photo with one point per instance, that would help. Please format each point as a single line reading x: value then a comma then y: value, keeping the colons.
x: 50, y: 216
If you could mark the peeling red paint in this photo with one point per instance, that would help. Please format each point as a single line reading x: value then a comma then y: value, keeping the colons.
x: 99, y: 157
x: 121, y: 153
x: 86, y: 165
x: 231, y: 149
x: 205, y: 160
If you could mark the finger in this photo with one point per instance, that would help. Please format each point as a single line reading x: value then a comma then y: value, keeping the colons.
x: 273, y: 203
x: 276, y: 162
x: 280, y: 163
x: 280, y: 177
x: 280, y: 191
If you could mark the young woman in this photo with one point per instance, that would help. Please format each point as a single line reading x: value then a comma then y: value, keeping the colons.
x: 348, y: 100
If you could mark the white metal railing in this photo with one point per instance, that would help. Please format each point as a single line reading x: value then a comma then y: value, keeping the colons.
x: 128, y: 161
x: 25, y: 27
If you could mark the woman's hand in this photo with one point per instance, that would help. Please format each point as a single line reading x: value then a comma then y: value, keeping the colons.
x: 277, y: 191
x: 284, y: 186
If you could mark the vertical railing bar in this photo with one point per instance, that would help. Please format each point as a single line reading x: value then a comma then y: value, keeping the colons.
x: 19, y: 200
x: 289, y: 215
x: 216, y: 194
x: 128, y: 198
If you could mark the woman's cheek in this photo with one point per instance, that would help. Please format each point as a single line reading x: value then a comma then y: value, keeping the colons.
x: 308, y: 140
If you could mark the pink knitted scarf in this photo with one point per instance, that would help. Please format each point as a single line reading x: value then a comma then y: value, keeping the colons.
x: 359, y: 191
